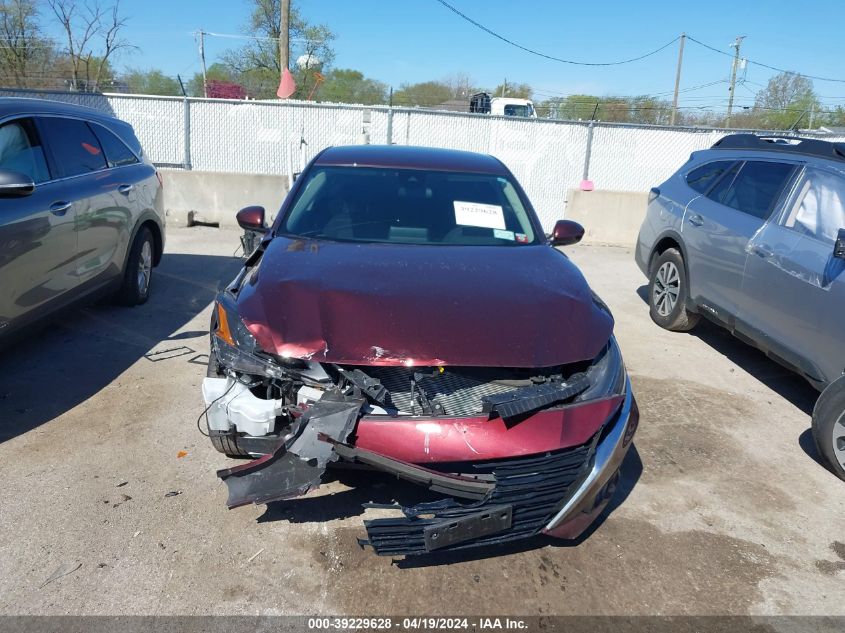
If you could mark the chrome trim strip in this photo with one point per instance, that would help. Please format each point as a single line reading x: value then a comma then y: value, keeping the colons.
x: 609, y: 456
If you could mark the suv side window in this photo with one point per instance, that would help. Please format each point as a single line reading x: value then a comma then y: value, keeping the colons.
x: 73, y: 145
x: 754, y: 188
x: 819, y: 208
x: 701, y: 178
x: 21, y: 151
x: 117, y: 154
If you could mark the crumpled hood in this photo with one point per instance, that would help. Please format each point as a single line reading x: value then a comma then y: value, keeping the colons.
x: 385, y: 304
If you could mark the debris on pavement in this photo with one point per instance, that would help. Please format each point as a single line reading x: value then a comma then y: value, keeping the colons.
x: 63, y: 570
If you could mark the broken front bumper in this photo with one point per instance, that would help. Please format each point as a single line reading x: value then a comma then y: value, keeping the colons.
x: 558, y: 493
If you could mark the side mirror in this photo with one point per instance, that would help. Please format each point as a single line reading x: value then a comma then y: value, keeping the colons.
x: 566, y: 233
x: 252, y: 219
x: 839, y: 246
x: 14, y: 184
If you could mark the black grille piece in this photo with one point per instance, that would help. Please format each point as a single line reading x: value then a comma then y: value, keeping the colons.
x: 458, y: 393
x: 534, y: 486
x: 528, y: 399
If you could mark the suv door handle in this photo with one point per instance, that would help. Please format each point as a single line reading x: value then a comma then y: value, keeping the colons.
x: 762, y: 251
x: 60, y: 208
x: 125, y: 189
x: 695, y: 219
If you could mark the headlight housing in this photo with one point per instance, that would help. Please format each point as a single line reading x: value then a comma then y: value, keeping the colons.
x: 234, y: 345
x: 607, y: 374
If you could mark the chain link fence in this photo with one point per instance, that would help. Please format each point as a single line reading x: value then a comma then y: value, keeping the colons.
x: 268, y: 137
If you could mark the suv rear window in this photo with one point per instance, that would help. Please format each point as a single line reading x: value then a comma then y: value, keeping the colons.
x: 73, y: 144
x: 117, y: 154
x: 701, y: 178
x: 754, y: 189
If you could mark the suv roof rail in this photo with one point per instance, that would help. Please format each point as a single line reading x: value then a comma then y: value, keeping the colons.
x: 789, y: 144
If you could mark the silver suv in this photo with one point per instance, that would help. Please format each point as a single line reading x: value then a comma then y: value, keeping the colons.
x: 80, y: 210
x: 750, y: 235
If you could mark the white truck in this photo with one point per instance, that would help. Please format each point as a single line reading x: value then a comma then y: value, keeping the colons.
x: 483, y: 103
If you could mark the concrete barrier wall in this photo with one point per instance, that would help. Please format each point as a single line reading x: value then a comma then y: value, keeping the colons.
x: 211, y: 197
x: 608, y: 217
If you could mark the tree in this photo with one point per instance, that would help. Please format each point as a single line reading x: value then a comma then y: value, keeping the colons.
x: 257, y: 65
x: 572, y: 107
x: 461, y: 86
x: 427, y: 94
x: 517, y: 91
x: 151, y: 82
x: 86, y: 25
x: 350, y: 86
x: 215, y: 72
x: 649, y: 110
x: 786, y: 99
x: 24, y: 52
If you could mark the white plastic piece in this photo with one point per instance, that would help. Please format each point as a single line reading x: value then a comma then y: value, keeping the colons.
x: 307, y: 395
x: 232, y: 404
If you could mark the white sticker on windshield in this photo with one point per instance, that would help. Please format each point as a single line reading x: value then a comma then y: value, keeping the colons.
x: 503, y: 235
x: 489, y: 216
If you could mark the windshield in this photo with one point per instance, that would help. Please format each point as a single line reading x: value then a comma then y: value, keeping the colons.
x: 519, y: 110
x: 409, y: 206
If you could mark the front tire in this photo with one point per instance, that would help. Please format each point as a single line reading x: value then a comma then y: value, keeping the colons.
x: 138, y: 274
x: 668, y: 293
x: 829, y: 426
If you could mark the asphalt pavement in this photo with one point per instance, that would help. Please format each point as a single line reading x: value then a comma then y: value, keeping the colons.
x: 110, y: 503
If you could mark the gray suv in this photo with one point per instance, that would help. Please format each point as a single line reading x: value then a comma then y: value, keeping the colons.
x: 80, y: 210
x: 750, y: 235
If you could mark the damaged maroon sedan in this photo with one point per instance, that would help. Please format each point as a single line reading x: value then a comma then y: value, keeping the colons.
x: 406, y: 312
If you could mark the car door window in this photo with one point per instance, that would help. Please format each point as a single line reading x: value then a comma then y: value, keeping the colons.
x: 819, y: 207
x: 702, y: 178
x: 117, y: 154
x: 73, y: 145
x: 21, y: 151
x: 753, y: 188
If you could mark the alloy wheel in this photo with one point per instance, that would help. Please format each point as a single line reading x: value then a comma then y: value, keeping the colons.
x: 667, y: 287
x: 839, y: 440
x: 145, y: 268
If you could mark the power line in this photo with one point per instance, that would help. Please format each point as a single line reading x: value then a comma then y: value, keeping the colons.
x: 544, y: 55
x: 762, y: 65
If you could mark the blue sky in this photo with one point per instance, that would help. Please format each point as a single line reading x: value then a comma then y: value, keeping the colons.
x: 415, y: 40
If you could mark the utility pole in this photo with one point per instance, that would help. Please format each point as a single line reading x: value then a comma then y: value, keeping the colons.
x: 504, y: 87
x: 202, y: 56
x: 737, y: 43
x: 284, y: 37
x: 678, y: 79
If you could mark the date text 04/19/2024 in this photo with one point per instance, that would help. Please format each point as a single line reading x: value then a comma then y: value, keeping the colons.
x: 417, y: 623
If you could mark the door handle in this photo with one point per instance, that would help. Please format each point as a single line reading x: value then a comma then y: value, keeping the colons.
x: 695, y: 219
x: 125, y: 189
x: 60, y: 208
x: 762, y: 251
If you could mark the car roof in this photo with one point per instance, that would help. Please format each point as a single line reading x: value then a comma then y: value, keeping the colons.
x: 795, y: 146
x: 410, y: 157
x: 18, y: 105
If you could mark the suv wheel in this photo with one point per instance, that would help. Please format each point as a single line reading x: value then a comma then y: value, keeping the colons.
x: 829, y: 426
x: 668, y: 293
x: 139, y: 271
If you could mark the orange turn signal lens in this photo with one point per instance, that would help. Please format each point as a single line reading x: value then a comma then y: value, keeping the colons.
x: 223, y: 331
